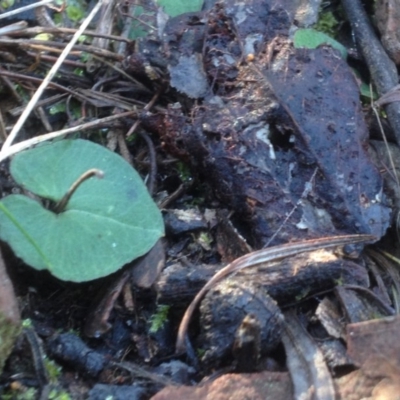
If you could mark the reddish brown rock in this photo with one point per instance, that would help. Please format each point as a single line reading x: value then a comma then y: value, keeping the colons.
x: 271, y: 385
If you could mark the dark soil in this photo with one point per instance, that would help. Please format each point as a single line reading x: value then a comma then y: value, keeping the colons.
x: 249, y: 143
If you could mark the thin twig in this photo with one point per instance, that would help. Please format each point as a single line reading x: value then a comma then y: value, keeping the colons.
x: 43, y: 18
x: 371, y: 295
x: 104, y: 27
x: 52, y: 85
x: 52, y: 59
x: 174, y: 195
x: 25, y: 8
x: 6, y: 30
x: 153, y: 163
x: 306, y: 192
x: 38, y: 356
x: 3, y: 132
x: 122, y: 72
x: 49, y: 48
x: 43, y: 118
x: 123, y: 148
x: 16, y: 148
x: 148, y: 106
x: 61, y: 31
x: 41, y: 103
x: 10, y: 86
x: 52, y: 45
x: 139, y: 371
x: 125, y: 31
x: 48, y: 78
x: 385, y: 140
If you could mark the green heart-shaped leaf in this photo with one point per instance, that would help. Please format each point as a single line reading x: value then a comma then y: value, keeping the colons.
x: 178, y: 7
x: 311, y: 39
x: 106, y: 223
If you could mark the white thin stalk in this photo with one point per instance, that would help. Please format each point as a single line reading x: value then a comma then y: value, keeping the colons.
x: 25, y: 8
x: 13, y: 27
x: 16, y: 148
x: 48, y: 78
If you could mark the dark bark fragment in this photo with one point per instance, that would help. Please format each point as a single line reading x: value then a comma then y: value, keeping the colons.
x: 71, y: 349
x: 285, y: 280
x: 224, y: 310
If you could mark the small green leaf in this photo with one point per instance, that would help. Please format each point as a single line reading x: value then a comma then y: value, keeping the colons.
x: 327, y: 23
x: 6, y: 3
x: 79, y: 72
x: 158, y: 319
x: 57, y: 108
x: 75, y: 10
x: 311, y: 39
x: 43, y: 36
x: 85, y: 56
x: 177, y: 7
x: 27, y: 323
x: 107, y: 222
x: 82, y: 38
x: 365, y: 91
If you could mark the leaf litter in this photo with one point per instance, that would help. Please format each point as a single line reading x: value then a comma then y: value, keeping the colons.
x: 275, y: 135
